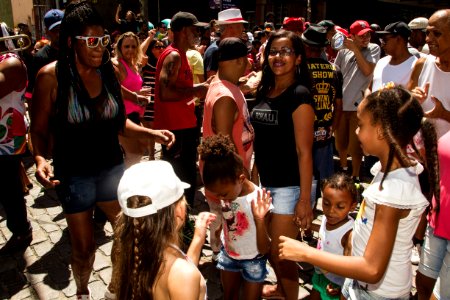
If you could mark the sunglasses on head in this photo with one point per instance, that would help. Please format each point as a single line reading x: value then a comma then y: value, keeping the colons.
x: 93, y: 41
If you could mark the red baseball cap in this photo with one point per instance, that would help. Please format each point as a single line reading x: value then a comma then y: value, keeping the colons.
x: 293, y: 24
x: 360, y: 27
x: 341, y: 30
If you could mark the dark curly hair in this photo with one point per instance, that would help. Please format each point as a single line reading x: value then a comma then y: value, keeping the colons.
x: 221, y: 160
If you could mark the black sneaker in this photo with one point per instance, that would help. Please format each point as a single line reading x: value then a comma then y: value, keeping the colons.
x: 17, y: 243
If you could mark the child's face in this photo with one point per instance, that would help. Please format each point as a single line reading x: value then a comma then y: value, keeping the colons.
x: 369, y: 134
x: 336, y: 205
x: 227, y: 190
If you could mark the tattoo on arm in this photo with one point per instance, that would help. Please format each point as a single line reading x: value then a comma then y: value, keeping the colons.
x: 169, y: 73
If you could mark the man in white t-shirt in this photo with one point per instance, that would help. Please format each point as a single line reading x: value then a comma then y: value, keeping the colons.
x: 397, y: 65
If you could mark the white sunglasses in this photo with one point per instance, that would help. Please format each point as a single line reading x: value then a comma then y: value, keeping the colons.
x: 93, y: 41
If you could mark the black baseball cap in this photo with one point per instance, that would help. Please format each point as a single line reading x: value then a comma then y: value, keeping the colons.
x: 397, y: 28
x: 232, y: 48
x: 184, y: 19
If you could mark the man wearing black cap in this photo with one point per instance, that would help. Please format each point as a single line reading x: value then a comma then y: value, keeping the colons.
x: 326, y: 90
x: 226, y: 112
x: 48, y: 53
x: 398, y: 63
x: 174, y: 93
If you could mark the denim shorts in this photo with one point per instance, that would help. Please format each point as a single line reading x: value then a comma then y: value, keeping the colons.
x: 284, y: 199
x: 352, y: 290
x: 80, y: 193
x: 435, y: 262
x: 252, y: 270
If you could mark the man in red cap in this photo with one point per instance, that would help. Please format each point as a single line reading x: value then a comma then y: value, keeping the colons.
x: 357, y: 62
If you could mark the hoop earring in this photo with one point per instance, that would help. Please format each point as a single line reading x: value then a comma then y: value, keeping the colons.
x: 109, y: 57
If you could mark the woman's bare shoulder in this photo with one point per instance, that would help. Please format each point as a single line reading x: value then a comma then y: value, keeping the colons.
x: 47, y: 72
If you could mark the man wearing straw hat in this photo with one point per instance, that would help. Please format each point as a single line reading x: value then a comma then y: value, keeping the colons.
x: 231, y: 24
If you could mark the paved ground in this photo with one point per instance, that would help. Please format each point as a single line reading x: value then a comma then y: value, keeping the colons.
x: 42, y: 271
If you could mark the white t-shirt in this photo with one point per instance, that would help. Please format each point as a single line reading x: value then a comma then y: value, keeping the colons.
x: 239, y: 229
x: 439, y: 81
x: 401, y: 189
x: 385, y: 72
x: 331, y: 241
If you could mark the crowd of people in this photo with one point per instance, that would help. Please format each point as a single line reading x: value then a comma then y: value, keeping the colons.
x: 258, y: 114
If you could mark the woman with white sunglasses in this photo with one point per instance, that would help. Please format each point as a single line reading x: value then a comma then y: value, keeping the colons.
x: 77, y: 113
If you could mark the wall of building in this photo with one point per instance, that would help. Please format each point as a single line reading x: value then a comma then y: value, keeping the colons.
x: 22, y: 11
x: 6, y: 12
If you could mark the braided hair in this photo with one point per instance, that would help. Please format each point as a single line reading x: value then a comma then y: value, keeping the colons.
x: 342, y: 182
x: 77, y: 17
x: 401, y: 117
x: 140, y: 248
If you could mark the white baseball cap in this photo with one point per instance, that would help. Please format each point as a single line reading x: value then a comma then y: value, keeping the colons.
x: 418, y: 23
x: 155, y: 179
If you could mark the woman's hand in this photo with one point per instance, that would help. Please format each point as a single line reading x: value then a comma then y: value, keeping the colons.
x: 143, y: 96
x: 291, y: 249
x: 303, y: 215
x: 164, y: 137
x: 261, y: 205
x: 44, y: 175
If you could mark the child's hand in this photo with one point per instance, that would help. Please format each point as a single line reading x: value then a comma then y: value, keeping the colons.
x: 333, y: 290
x: 291, y: 249
x: 202, y: 222
x: 261, y: 205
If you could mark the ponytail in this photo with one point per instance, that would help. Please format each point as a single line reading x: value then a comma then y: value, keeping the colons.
x: 432, y: 161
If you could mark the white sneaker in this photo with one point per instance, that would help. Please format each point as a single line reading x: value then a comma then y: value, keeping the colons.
x: 415, y: 255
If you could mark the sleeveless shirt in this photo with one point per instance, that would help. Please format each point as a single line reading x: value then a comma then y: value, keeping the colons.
x: 133, y: 82
x: 175, y: 115
x: 86, y: 134
x: 438, y: 80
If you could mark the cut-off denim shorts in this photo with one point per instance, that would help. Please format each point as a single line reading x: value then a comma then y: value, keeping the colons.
x: 435, y: 262
x: 354, y: 291
x: 284, y: 199
x: 80, y: 193
x: 252, y: 270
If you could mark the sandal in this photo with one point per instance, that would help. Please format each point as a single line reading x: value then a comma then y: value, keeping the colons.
x: 270, y: 291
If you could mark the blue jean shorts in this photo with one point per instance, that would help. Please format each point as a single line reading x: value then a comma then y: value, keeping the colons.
x: 354, y: 291
x: 435, y: 262
x: 80, y: 193
x: 252, y: 270
x: 284, y: 199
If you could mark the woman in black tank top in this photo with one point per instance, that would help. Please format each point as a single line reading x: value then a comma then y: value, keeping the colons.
x: 78, y: 109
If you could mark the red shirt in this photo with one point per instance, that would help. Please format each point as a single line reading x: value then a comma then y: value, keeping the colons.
x: 175, y: 115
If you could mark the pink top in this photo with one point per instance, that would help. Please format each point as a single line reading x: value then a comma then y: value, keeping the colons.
x: 243, y: 133
x: 133, y: 82
x: 440, y: 222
